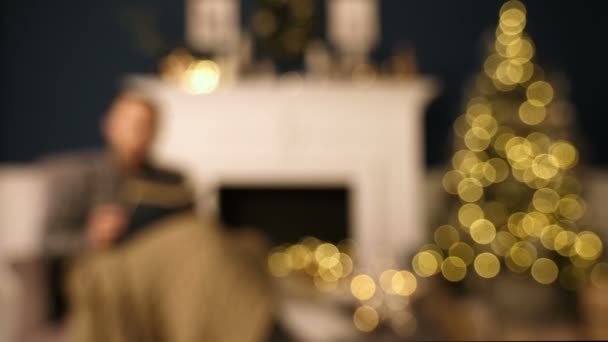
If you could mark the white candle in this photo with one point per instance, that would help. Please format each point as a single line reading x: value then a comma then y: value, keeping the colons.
x: 354, y: 25
x: 212, y: 25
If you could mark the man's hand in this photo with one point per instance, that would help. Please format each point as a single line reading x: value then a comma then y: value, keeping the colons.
x: 106, y: 223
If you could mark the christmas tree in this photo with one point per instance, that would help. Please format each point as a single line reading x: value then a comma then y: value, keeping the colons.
x: 517, y: 202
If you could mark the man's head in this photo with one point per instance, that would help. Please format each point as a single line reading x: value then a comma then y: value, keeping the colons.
x: 129, y: 127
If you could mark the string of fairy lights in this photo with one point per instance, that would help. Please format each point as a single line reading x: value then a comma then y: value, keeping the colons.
x: 517, y: 200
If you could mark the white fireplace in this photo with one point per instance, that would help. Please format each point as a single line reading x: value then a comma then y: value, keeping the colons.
x: 367, y: 138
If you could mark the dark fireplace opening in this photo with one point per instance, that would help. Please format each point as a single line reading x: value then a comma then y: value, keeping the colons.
x: 287, y: 214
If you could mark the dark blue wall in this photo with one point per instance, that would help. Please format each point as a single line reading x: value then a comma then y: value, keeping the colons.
x: 61, y: 61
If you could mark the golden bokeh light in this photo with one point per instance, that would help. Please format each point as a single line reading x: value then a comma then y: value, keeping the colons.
x: 464, y: 160
x: 300, y: 256
x: 544, y: 271
x: 548, y: 235
x: 202, y: 77
x: 534, y: 222
x: 469, y: 213
x: 501, y: 142
x: 515, y: 224
x: 564, y: 243
x: 326, y: 250
x: 546, y: 200
x: 470, y: 190
x: 330, y: 268
x: 588, y: 245
x: 502, y: 243
x: 363, y: 287
x: 483, y: 231
x: 487, y: 123
x: 523, y: 254
x: 571, y: 207
x: 512, y: 4
x: 453, y: 269
x: 545, y: 166
x: 279, y: 264
x: 347, y: 264
x: 463, y: 252
x: 540, y: 93
x: 501, y: 169
x: 386, y: 281
x: 366, y: 318
x: 445, y: 236
x: 451, y: 180
x: 477, y: 139
x: 487, y: 265
x: 512, y: 21
x: 532, y: 115
x: 425, y: 264
x: 404, y: 283
x: 565, y: 153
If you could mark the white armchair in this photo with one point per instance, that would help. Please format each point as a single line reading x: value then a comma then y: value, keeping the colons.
x: 23, y: 203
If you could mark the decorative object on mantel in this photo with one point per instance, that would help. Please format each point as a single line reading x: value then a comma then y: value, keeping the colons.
x: 354, y: 28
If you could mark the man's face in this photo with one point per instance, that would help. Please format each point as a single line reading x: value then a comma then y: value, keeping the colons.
x: 129, y: 128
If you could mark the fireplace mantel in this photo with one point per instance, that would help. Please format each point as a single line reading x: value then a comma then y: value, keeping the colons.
x: 365, y: 137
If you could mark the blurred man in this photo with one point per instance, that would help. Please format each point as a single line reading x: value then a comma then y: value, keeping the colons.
x: 144, y: 268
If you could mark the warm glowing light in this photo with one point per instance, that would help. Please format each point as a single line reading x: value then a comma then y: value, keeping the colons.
x: 483, y: 231
x: 463, y: 252
x: 469, y: 213
x: 386, y: 281
x: 330, y: 268
x: 571, y: 207
x: 564, y: 243
x: 202, y: 77
x: 453, y: 269
x: 565, y: 154
x: 325, y: 250
x: 487, y: 265
x: 531, y: 114
x: 404, y: 283
x: 547, y: 236
x: 363, y: 287
x: 347, y: 264
x: 366, y: 318
x: 545, y: 166
x: 588, y: 245
x: 477, y: 139
x: 470, y: 190
x: 451, y: 180
x: 544, y: 271
x: 523, y: 254
x: 502, y: 243
x: 533, y: 223
x: 540, y: 93
x: 300, y: 256
x: 425, y: 264
x: 546, y: 200
x: 279, y: 264
x: 501, y: 169
x: 515, y: 226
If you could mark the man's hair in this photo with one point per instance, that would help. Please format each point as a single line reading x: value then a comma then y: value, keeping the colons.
x: 133, y: 96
